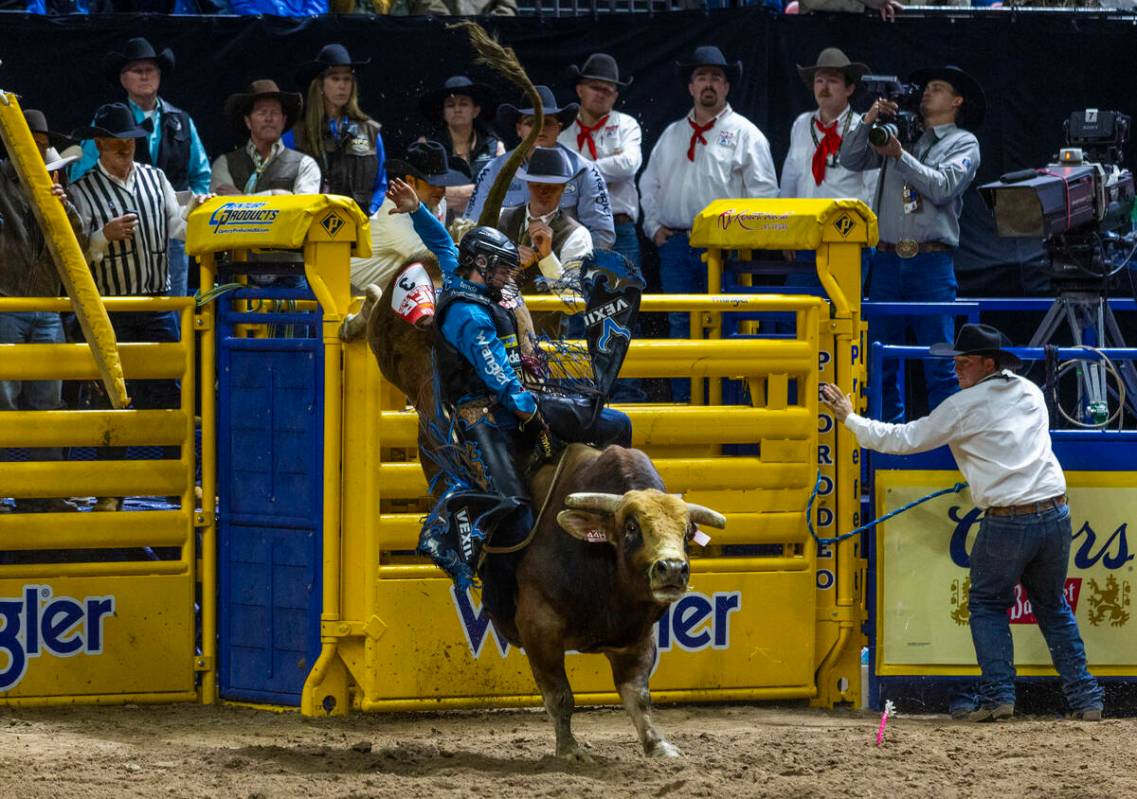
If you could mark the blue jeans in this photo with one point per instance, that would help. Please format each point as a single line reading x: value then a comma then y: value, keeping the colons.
x: 32, y: 327
x: 1033, y: 549
x: 628, y: 243
x: 682, y: 271
x: 179, y: 267
x: 929, y: 277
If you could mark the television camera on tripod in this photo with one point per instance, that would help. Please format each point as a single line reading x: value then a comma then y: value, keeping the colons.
x: 1081, y: 206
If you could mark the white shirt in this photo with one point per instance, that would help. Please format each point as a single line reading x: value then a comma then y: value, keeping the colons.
x: 307, y: 176
x: 734, y: 163
x: 619, y: 156
x: 999, y: 432
x: 797, y: 172
x: 174, y: 213
x: 393, y: 242
x: 578, y: 245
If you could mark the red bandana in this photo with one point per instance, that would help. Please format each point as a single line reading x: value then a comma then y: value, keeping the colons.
x: 829, y: 145
x: 585, y: 135
x: 697, y: 136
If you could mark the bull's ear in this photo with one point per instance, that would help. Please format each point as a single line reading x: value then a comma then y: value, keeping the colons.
x: 591, y: 527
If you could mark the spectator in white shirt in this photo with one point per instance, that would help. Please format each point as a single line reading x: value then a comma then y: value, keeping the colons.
x: 812, y: 168
x: 998, y: 430
x: 612, y: 140
x: 264, y: 165
x: 428, y: 170
x: 710, y: 155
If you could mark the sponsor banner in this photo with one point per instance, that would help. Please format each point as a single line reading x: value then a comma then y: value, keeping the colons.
x: 96, y: 636
x: 282, y: 222
x: 923, y: 568
x: 731, y: 631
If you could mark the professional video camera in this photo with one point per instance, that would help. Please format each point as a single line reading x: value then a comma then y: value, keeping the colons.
x: 1080, y: 205
x: 906, y: 125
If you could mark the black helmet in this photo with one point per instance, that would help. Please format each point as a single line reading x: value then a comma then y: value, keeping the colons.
x: 485, y: 249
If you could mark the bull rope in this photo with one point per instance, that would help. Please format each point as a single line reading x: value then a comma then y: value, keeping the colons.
x: 955, y: 489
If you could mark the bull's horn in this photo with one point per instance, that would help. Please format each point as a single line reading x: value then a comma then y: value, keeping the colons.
x: 704, y: 515
x: 604, y: 503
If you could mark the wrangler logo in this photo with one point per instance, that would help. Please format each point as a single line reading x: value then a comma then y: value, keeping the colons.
x: 37, y: 623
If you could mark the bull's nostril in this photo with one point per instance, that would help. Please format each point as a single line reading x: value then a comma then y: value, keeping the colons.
x: 685, y: 570
x: 670, y: 570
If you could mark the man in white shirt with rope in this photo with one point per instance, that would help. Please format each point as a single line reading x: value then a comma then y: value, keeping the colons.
x: 998, y: 430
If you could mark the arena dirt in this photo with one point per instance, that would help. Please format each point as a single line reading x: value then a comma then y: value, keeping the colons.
x: 749, y: 751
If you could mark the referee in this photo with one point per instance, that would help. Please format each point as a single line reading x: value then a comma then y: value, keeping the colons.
x: 998, y: 431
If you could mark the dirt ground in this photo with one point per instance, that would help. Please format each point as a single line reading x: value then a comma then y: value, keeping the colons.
x: 739, y: 751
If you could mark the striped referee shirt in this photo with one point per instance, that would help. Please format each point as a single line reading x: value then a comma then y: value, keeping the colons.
x: 139, y: 265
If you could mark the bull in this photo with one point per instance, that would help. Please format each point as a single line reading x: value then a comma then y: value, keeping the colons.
x: 596, y: 577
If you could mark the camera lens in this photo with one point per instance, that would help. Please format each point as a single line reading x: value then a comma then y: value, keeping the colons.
x: 879, y: 134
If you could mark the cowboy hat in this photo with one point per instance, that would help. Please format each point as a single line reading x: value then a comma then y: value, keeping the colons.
x: 112, y: 121
x: 599, y: 66
x: 507, y: 115
x: 240, y: 105
x: 431, y: 103
x: 37, y: 123
x: 54, y: 161
x: 137, y: 49
x: 974, y: 100
x: 835, y: 59
x: 331, y: 55
x: 546, y: 165
x: 427, y: 161
x: 709, y: 56
x: 976, y: 339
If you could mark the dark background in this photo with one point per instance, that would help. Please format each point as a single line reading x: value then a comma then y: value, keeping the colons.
x: 1035, y: 68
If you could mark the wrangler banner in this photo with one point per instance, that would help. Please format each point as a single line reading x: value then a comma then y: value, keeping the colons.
x: 923, y: 584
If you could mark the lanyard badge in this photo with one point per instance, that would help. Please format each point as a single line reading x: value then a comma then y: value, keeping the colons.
x: 911, y: 200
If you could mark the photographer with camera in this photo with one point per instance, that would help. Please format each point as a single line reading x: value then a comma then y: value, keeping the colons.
x: 918, y: 202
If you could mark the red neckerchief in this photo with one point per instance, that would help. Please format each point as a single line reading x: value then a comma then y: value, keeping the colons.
x: 697, y: 135
x: 585, y: 135
x: 830, y: 144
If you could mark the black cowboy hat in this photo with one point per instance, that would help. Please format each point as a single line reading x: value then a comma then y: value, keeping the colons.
x: 835, y: 59
x: 427, y: 160
x: 37, y: 123
x: 507, y: 115
x: 976, y: 339
x: 238, y: 106
x: 974, y: 100
x: 112, y: 121
x: 546, y: 165
x: 331, y: 55
x: 599, y: 66
x: 137, y: 49
x: 431, y: 103
x: 709, y: 56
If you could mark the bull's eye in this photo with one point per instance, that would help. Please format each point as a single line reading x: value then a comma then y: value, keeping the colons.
x: 631, y: 530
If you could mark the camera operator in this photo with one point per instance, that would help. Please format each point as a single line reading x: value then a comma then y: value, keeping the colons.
x: 918, y: 202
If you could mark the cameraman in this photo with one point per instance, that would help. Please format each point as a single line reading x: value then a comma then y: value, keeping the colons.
x: 918, y: 202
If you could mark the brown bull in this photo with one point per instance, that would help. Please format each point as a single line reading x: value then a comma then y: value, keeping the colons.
x: 608, y: 556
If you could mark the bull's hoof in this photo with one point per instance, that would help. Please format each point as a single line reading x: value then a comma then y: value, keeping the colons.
x: 575, y: 753
x: 663, y: 749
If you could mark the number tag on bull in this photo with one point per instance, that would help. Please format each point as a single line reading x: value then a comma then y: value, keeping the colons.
x: 412, y: 293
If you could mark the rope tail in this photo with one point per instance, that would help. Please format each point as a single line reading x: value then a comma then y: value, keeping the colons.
x: 504, y: 61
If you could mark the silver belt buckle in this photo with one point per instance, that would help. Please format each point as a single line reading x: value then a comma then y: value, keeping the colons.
x: 907, y: 248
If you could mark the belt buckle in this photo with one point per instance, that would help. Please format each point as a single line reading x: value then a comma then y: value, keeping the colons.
x: 907, y: 248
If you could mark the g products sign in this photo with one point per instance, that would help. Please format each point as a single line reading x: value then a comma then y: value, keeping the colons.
x: 37, y: 622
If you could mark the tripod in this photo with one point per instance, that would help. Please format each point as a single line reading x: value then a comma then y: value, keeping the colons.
x: 1091, y: 322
